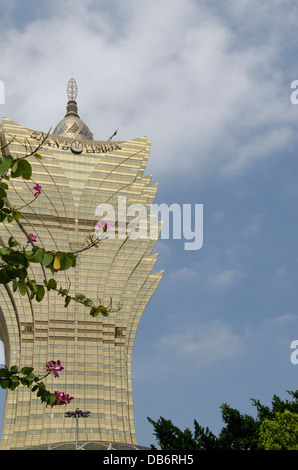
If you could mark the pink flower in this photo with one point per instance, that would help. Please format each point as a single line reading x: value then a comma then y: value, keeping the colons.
x: 31, y: 238
x: 37, y: 189
x: 53, y: 366
x: 61, y: 399
x: 102, y: 225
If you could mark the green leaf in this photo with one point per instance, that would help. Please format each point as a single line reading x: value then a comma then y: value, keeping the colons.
x: 40, y: 293
x: 30, y: 256
x: 46, y: 397
x: 26, y: 370
x: 4, y: 276
x: 66, y: 261
x: 88, y: 303
x: 67, y: 301
x: 22, y: 273
x: 14, y: 369
x: 24, y: 381
x: 94, y: 312
x: 39, y: 254
x: 22, y: 168
x: 22, y: 287
x: 30, y: 376
x: 62, y: 291
x: 73, y: 259
x: 3, y: 193
x: 103, y: 311
x: 15, y: 379
x: 80, y: 296
x: 4, y: 372
x: 52, y: 284
x: 26, y: 170
x: 41, y: 387
x: 2, y: 215
x: 38, y: 156
x: 4, y: 383
x: 16, y: 215
x: 47, y: 259
x: 15, y: 259
x: 5, y: 164
x: 31, y: 283
x: 52, y: 399
x: 13, y: 385
x: 12, y: 242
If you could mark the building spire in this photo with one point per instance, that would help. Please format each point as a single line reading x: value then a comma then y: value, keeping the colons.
x: 71, y: 125
x: 72, y: 90
x: 72, y: 93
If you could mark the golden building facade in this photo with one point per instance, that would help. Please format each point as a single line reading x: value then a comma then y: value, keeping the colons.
x: 77, y: 174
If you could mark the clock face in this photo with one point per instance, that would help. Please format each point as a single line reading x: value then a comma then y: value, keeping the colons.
x: 76, y: 146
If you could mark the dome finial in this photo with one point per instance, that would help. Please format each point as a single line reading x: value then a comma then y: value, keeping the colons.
x: 72, y: 90
x: 72, y: 93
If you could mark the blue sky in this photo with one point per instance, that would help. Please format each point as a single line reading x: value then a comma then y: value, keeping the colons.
x: 210, y: 84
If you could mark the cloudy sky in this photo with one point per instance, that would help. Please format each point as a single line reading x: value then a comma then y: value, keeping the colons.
x: 209, y: 82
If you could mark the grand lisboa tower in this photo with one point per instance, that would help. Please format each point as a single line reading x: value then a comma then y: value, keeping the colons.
x: 78, y: 175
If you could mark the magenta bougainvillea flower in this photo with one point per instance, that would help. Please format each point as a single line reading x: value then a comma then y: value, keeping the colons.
x: 102, y: 225
x: 61, y: 399
x: 37, y: 189
x: 31, y: 238
x: 53, y: 366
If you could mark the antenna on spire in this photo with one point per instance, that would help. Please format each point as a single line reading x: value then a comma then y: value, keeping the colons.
x: 72, y: 90
x: 72, y: 93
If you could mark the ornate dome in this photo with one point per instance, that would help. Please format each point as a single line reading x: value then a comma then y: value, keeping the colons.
x: 71, y: 125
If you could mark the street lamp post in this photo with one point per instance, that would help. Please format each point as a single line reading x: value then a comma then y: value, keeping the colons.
x: 77, y: 414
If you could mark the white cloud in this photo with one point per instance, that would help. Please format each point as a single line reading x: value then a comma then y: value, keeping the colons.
x: 225, y: 277
x: 184, y: 273
x: 280, y: 320
x: 203, y: 344
x: 254, y: 226
x: 218, y: 271
x: 170, y: 69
